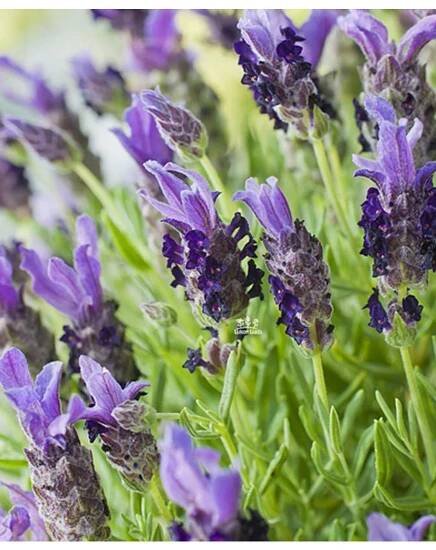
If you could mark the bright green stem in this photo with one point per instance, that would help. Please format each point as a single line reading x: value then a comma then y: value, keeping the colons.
x: 319, y: 379
x: 419, y: 408
x: 158, y: 499
x: 330, y: 184
x: 217, y: 183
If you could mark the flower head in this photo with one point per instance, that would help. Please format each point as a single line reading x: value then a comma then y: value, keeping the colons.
x: 380, y: 528
x: 278, y: 59
x: 103, y: 91
x: 77, y: 293
x: 179, y: 128
x: 144, y: 142
x: 15, y: 190
x: 208, y: 259
x: 23, y: 520
x: 119, y: 420
x: 299, y: 277
x: 193, y: 479
x: 393, y: 71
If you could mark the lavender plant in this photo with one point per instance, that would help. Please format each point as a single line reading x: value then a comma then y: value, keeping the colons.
x: 202, y: 400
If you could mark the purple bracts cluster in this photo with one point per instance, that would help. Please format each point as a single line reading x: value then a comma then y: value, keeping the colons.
x: 119, y: 419
x: 380, y: 528
x: 277, y: 60
x: 299, y: 277
x: 103, y: 91
x: 65, y: 484
x: 393, y: 71
x: 179, y: 128
x: 398, y: 214
x: 193, y: 479
x: 207, y: 261
x: 77, y: 293
x: 23, y: 521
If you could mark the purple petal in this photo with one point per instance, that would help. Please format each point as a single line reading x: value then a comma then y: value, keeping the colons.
x: 424, y: 174
x: 9, y: 297
x: 170, y: 185
x: 14, y: 371
x: 65, y: 277
x: 26, y: 500
x: 47, y: 385
x: 225, y: 493
x: 415, y: 133
x: 420, y: 527
x: 15, y: 524
x: 133, y: 389
x: 88, y: 269
x: 208, y: 458
x: 42, y: 285
x: 77, y: 410
x: 101, y: 385
x: 86, y: 234
x: 416, y: 38
x: 380, y: 528
x: 379, y: 109
x: 368, y: 33
x: 261, y: 30
x: 315, y: 32
x: 395, y: 156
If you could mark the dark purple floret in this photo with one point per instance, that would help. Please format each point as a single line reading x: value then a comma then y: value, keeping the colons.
x: 178, y: 533
x: 223, y: 26
x: 428, y: 226
x: 411, y: 310
x: 15, y: 189
x: 195, y: 360
x: 378, y: 316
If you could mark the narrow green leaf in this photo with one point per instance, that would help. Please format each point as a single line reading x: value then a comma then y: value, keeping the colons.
x: 382, y: 456
x: 327, y: 474
x: 274, y: 467
x: 386, y: 410
x: 229, y: 386
x: 335, y: 431
x: 351, y: 412
x: 363, y: 448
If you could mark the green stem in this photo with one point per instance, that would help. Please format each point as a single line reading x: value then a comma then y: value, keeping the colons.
x: 330, y: 184
x: 320, y: 379
x: 158, y: 499
x: 217, y: 183
x: 419, y: 408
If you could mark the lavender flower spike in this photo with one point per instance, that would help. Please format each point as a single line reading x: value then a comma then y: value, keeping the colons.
x: 103, y: 91
x: 208, y: 261
x: 210, y: 495
x: 278, y: 62
x: 49, y: 144
x: 65, y: 484
x: 299, y: 277
x: 380, y: 528
x: 398, y: 213
x: 77, y: 293
x: 120, y: 421
x: 393, y: 71
x: 179, y: 128
x: 20, y: 325
x: 23, y: 520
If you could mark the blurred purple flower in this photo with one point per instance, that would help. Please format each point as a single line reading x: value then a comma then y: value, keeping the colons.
x: 299, y: 277
x: 103, y: 91
x: 278, y: 60
x: 77, y: 293
x: 160, y: 45
x: 393, y: 71
x: 130, y: 20
x: 380, y: 528
x: 15, y: 190
x: 9, y: 297
x: 208, y: 260
x: 23, y: 519
x: 144, y: 142
x: 193, y: 479
x: 38, y: 96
